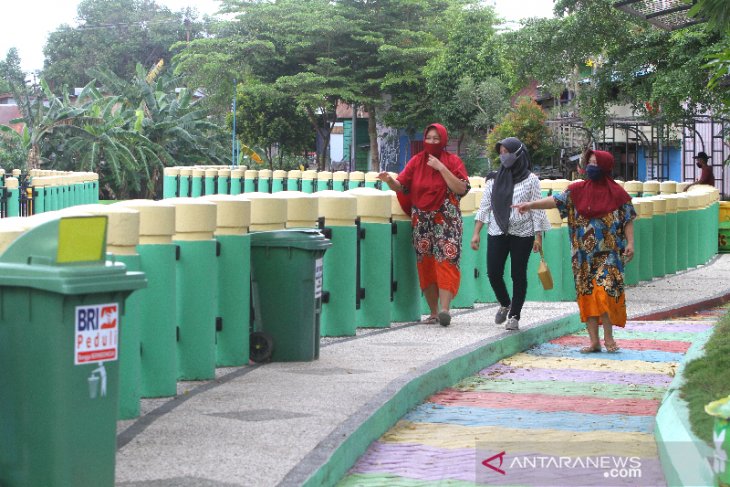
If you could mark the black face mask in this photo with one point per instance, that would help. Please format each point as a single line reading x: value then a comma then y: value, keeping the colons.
x: 699, y: 164
x: 594, y: 173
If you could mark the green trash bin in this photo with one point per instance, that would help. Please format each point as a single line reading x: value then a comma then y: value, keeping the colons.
x: 286, y: 280
x: 59, y: 364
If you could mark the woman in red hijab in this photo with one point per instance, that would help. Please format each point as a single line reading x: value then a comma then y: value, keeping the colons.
x: 601, y: 225
x: 429, y: 189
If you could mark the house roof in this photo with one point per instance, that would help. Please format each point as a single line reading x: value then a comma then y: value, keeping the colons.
x: 8, y: 113
x: 345, y: 111
x: 665, y: 14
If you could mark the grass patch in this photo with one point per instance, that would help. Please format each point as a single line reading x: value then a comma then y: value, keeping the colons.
x: 707, y: 379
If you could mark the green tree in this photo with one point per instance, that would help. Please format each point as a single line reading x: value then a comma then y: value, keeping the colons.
x: 115, y: 35
x: 42, y: 113
x: 617, y: 59
x: 717, y: 15
x: 171, y: 126
x: 469, y: 58
x: 389, y: 44
x: 302, y: 43
x: 526, y: 121
x: 268, y: 119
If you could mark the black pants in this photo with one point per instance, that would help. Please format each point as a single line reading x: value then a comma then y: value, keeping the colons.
x: 519, y: 248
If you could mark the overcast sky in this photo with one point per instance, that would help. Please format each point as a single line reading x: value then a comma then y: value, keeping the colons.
x: 26, y: 24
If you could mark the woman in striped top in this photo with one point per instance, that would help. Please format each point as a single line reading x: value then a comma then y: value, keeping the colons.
x: 510, y: 233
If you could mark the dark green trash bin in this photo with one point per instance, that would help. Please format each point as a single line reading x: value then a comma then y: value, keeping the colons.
x: 60, y: 305
x: 286, y: 282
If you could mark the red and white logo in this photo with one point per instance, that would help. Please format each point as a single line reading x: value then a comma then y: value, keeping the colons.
x: 97, y: 333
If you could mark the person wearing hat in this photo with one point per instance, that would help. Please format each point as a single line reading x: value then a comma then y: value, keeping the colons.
x: 706, y: 177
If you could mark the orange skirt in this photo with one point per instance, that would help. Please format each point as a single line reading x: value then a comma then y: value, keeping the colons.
x: 600, y: 302
x: 445, y: 274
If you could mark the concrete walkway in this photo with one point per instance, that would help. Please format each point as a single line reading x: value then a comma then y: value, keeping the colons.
x: 529, y: 411
x: 277, y: 424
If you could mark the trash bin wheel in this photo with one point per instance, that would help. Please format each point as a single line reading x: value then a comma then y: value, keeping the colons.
x: 261, y: 344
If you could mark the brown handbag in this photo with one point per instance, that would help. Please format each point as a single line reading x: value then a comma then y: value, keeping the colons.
x: 543, y: 273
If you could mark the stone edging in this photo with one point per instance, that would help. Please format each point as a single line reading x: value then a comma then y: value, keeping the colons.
x: 682, y: 455
x: 330, y: 460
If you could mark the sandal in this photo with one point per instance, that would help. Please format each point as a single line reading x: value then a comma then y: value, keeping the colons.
x: 591, y: 349
x: 430, y: 320
x: 444, y: 318
x: 611, y: 347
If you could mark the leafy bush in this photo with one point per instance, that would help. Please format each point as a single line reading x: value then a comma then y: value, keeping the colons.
x: 526, y: 121
x: 706, y: 379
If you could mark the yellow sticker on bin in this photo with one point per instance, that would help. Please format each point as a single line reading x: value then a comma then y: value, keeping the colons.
x: 81, y: 239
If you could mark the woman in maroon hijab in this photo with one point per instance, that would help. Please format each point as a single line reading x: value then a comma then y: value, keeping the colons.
x: 601, y: 225
x: 429, y: 189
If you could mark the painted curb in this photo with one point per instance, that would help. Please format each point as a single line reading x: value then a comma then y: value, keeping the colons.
x: 337, y: 453
x: 682, y: 455
x: 688, y: 309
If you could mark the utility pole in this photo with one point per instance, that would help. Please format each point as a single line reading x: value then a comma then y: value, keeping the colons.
x: 233, y: 133
x: 354, y: 137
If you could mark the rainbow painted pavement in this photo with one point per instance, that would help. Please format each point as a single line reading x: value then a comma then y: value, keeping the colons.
x: 550, y: 416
